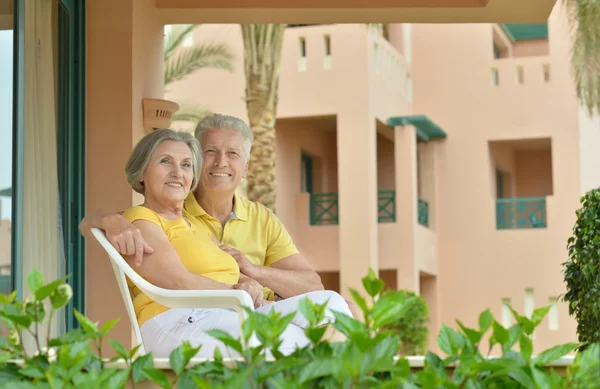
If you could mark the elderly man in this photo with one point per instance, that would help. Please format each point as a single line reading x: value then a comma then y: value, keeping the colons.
x: 248, y: 231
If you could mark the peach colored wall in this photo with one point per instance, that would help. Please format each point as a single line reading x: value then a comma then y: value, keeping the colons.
x: 390, y: 250
x: 426, y: 250
x: 589, y: 157
x: 502, y: 158
x: 530, y: 48
x: 533, y: 175
x: 133, y: 60
x: 318, y: 244
x: 385, y: 164
x: 458, y: 94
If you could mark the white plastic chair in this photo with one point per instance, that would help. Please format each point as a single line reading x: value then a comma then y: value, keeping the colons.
x: 235, y: 299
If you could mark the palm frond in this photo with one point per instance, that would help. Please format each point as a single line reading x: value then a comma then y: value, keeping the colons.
x: 584, y: 22
x: 190, y: 59
x: 188, y: 112
x: 175, y: 37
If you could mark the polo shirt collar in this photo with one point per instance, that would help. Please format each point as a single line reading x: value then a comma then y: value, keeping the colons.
x: 240, y: 209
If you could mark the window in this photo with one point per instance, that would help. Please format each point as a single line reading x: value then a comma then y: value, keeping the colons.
x: 327, y: 49
x: 495, y: 77
x: 520, y: 75
x: 306, y: 166
x: 47, y: 144
x: 546, y: 72
x: 302, y: 54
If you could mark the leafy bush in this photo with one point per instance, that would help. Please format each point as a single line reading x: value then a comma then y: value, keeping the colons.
x: 582, y: 270
x: 412, y: 328
x: 366, y: 359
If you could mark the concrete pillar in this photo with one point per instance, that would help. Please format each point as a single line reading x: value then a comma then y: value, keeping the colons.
x: 357, y: 190
x: 405, y: 140
x: 124, y: 65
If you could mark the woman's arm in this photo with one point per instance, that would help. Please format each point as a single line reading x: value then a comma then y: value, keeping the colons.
x: 163, y: 267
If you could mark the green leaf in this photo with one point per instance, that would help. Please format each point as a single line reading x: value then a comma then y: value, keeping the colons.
x: 473, y: 335
x: 201, y: 384
x: 360, y: 301
x: 541, y: 378
x: 305, y: 307
x: 449, y: 340
x: 554, y: 353
x: 315, y: 334
x: 227, y: 339
x: 281, y: 365
x: 13, y: 314
x: 390, y: 308
x: 35, y: 280
x: 180, y: 357
x: 139, y: 365
x: 109, y: 325
x: 485, y: 320
x: 372, y: 284
x: 514, y: 333
x: 87, y: 325
x: 238, y: 379
x: 315, y: 369
x: 158, y: 377
x: 46, y: 290
x: 119, y: 348
x: 33, y: 372
x: 500, y: 333
x: 118, y: 379
x: 538, y: 315
x: 347, y: 325
x: 526, y: 347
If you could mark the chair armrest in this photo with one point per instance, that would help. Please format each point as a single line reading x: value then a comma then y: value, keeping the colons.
x: 235, y: 299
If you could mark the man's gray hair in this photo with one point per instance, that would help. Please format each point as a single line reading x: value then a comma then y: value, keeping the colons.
x: 142, y: 153
x: 225, y: 122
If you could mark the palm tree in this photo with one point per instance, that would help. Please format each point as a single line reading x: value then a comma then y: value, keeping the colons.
x: 181, y: 61
x: 584, y: 19
x: 262, y: 61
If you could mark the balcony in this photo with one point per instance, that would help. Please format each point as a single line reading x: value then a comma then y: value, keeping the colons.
x: 520, y: 213
x: 324, y: 208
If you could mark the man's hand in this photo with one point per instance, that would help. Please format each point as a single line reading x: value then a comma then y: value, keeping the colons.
x: 253, y: 288
x: 126, y: 237
x: 246, y: 267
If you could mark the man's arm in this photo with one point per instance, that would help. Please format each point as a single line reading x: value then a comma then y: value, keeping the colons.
x: 290, y: 276
x: 122, y: 234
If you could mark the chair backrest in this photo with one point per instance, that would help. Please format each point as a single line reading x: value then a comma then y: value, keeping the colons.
x: 121, y: 269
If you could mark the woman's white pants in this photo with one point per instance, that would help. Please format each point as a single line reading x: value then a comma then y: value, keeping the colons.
x: 168, y: 330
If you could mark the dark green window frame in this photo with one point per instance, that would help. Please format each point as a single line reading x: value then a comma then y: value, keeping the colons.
x: 71, y: 144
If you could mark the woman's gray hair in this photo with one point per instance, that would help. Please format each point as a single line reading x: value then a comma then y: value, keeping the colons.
x: 142, y: 153
x: 225, y: 122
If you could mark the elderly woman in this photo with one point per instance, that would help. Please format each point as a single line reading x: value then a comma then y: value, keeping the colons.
x: 164, y: 167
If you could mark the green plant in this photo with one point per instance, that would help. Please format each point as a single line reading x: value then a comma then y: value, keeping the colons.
x: 412, y: 328
x: 367, y: 359
x: 582, y: 270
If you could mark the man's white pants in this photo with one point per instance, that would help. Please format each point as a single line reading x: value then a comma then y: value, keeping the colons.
x: 168, y: 330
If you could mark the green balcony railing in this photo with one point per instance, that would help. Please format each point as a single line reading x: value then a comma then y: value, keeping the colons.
x: 386, y: 206
x: 523, y: 212
x: 423, y: 213
x: 323, y: 209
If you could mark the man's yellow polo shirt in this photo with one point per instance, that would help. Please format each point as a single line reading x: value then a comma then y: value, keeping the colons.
x: 254, y: 230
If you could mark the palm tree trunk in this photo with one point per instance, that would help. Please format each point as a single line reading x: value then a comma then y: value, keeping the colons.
x: 262, y: 49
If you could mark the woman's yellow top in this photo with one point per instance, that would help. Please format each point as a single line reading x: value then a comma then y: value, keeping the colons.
x: 196, y: 250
